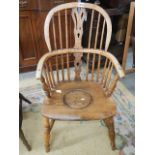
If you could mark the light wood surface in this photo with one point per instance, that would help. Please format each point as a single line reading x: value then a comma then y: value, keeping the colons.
x: 71, y: 7
x: 70, y: 51
x: 108, y: 81
x: 100, y: 108
x: 91, y: 98
x: 110, y: 124
x: 46, y: 134
x: 99, y: 88
x: 128, y: 34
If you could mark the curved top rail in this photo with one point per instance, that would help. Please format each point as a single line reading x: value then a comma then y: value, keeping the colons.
x: 74, y: 5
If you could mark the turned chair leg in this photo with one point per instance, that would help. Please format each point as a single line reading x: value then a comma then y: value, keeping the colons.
x: 110, y: 124
x: 48, y: 124
x: 22, y: 137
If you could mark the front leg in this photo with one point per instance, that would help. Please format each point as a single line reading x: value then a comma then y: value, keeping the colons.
x: 110, y: 124
x: 46, y: 134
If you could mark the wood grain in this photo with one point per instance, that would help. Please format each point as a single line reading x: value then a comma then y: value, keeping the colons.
x: 78, y: 98
x: 57, y: 110
x: 128, y: 34
x: 92, y: 7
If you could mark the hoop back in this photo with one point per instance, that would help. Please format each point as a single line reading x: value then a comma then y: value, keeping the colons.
x: 80, y: 13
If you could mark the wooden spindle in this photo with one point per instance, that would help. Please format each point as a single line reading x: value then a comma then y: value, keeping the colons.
x: 68, y: 68
x: 95, y: 44
x: 93, y: 64
x: 98, y: 67
x: 66, y: 25
x: 97, y: 30
x: 48, y: 75
x: 107, y: 39
x: 109, y: 77
x: 104, y: 70
x: 106, y: 75
x: 112, y: 85
x: 62, y: 66
x: 60, y: 32
x: 57, y: 68
x: 54, y: 35
x: 90, y: 30
x: 51, y: 73
x: 102, y: 35
x: 89, y: 42
x: 60, y: 35
x: 87, y: 68
x: 45, y: 87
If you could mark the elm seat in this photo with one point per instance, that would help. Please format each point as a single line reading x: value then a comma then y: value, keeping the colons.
x: 101, y: 106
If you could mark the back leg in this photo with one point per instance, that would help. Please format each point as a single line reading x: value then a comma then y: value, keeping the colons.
x: 110, y: 124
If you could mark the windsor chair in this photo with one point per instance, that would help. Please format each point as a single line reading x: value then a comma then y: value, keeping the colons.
x: 78, y: 93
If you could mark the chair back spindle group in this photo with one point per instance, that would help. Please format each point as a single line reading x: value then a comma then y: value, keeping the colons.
x: 106, y: 77
x: 56, y: 67
x: 78, y: 15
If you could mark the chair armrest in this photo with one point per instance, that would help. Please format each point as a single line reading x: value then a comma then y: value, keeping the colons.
x: 111, y: 57
x: 39, y: 70
x: 40, y: 66
x: 116, y: 64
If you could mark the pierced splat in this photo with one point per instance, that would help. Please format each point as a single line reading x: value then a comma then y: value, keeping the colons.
x: 79, y: 15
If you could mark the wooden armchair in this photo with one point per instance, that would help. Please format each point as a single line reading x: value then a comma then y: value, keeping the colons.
x: 78, y: 93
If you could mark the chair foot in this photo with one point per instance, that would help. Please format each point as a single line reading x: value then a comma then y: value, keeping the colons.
x: 22, y: 137
x: 47, y: 148
x: 47, y: 126
x: 110, y: 124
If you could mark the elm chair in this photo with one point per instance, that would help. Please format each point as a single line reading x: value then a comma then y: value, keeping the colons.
x: 77, y: 92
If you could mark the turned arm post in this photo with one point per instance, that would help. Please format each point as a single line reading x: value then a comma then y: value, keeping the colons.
x: 45, y: 87
x: 112, y: 86
x: 112, y: 78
